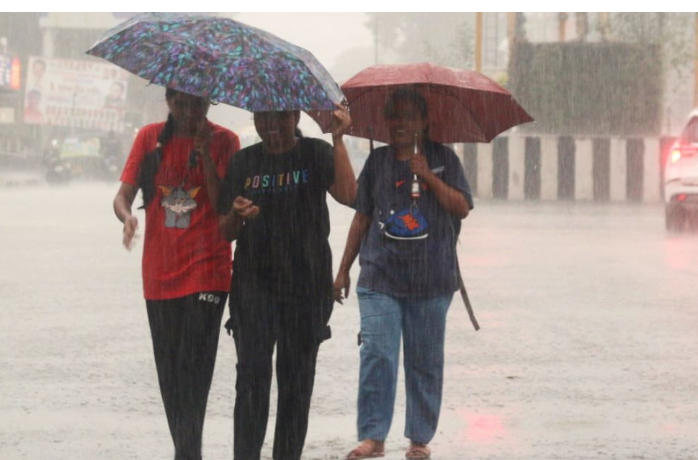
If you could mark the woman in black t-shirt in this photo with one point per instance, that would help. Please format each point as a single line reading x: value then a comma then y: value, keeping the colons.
x: 273, y: 204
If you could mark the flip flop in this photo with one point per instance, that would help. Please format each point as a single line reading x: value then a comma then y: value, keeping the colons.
x: 368, y: 448
x: 418, y: 451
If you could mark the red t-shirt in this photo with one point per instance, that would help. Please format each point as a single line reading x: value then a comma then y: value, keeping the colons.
x: 183, y: 250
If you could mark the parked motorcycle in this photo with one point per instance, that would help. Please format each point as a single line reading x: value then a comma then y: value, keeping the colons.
x: 83, y: 157
x: 58, y: 171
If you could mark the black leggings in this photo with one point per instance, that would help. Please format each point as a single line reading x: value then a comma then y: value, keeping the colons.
x: 185, y: 335
x: 256, y: 332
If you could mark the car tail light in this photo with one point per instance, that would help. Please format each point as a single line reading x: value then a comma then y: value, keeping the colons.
x: 680, y: 149
x: 675, y: 154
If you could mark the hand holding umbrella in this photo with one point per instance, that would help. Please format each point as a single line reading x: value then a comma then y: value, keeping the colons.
x: 202, y: 140
x: 414, y: 189
x: 341, y: 121
x: 419, y: 165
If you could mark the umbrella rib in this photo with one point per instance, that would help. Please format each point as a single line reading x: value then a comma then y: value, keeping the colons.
x: 429, y: 87
x: 464, y: 107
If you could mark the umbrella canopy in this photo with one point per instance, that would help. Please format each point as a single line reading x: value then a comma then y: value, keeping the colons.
x: 463, y: 105
x: 220, y: 59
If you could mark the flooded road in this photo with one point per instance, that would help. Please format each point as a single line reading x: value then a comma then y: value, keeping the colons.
x: 589, y: 317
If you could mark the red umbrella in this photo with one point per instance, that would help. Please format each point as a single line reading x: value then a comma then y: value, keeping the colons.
x: 463, y: 105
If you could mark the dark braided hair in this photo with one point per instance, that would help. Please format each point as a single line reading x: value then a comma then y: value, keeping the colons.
x: 151, y: 161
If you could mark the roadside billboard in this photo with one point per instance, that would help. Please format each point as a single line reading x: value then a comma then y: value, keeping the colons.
x: 82, y: 94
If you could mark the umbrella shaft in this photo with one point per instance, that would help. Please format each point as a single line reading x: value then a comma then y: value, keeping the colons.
x: 414, y: 191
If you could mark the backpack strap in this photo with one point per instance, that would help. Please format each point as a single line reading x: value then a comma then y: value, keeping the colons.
x: 466, y: 300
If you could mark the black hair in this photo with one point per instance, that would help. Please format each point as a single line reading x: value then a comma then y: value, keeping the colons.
x: 151, y: 162
x: 170, y: 93
x: 406, y: 94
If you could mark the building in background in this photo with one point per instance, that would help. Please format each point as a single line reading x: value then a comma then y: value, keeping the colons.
x: 50, y: 89
x: 82, y: 98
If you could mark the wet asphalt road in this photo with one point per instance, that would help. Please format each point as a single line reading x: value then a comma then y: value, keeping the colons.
x: 588, y: 345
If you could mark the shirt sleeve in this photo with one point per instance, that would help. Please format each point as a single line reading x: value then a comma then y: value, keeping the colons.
x: 455, y: 176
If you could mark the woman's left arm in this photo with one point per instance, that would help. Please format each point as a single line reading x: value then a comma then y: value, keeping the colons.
x: 344, y: 187
x: 451, y: 199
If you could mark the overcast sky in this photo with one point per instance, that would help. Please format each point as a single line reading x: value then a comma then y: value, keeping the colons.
x: 326, y: 35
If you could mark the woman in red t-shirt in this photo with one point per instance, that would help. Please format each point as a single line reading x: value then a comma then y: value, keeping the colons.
x: 178, y: 165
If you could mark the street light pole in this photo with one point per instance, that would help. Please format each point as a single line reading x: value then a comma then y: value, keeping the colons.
x: 695, y: 66
x: 375, y: 40
x: 478, y: 42
x: 561, y: 26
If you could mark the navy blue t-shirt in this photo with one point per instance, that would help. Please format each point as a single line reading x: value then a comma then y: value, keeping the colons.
x: 409, y: 251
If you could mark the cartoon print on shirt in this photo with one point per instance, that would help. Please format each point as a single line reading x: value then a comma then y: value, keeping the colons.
x: 178, y: 204
x: 408, y: 224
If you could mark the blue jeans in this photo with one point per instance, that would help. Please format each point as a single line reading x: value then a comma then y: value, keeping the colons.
x: 422, y: 324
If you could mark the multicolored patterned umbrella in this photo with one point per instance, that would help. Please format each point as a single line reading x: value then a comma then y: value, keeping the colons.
x: 221, y: 59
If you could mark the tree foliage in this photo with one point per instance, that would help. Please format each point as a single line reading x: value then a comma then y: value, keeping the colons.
x: 575, y: 88
x: 440, y: 38
x: 671, y: 31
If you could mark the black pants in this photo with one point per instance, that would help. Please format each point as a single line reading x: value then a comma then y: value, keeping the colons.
x: 256, y: 331
x: 185, y: 334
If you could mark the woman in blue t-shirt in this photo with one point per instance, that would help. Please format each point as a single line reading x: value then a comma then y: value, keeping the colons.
x: 274, y: 205
x: 411, y: 198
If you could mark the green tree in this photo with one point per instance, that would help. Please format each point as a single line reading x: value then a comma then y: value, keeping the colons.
x: 440, y: 38
x: 672, y: 31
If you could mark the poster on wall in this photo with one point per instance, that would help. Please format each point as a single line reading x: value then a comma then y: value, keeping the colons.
x: 75, y: 93
x: 5, y: 70
x: 10, y: 69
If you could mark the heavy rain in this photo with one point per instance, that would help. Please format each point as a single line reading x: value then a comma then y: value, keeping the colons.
x: 578, y: 258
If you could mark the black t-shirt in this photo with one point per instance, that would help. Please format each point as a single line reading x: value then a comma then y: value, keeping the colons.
x: 282, y: 256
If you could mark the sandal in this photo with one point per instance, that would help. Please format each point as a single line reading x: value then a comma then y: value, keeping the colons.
x: 418, y: 451
x: 368, y: 448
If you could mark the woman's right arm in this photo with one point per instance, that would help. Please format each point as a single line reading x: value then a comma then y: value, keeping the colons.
x: 123, y: 202
x: 357, y: 232
x: 231, y: 223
